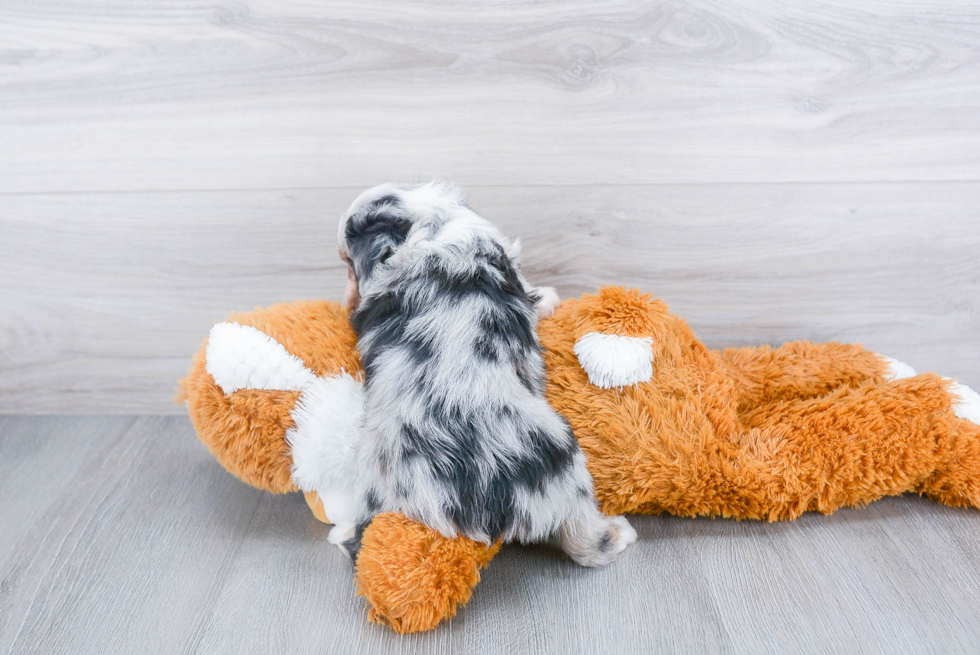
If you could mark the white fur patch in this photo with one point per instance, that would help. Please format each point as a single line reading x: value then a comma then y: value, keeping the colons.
x: 966, y: 402
x: 322, y: 442
x: 549, y: 301
x: 896, y: 370
x: 241, y: 357
x: 614, y: 361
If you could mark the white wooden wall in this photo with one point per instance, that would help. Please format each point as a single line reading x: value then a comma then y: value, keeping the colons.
x: 775, y: 171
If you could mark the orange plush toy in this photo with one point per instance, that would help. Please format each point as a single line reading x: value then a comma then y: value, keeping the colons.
x: 666, y: 424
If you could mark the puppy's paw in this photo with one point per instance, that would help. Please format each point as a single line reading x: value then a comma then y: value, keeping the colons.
x: 620, y: 535
x: 966, y: 402
x: 340, y: 535
x: 614, y: 539
x: 896, y: 370
x: 627, y: 535
x: 548, y: 301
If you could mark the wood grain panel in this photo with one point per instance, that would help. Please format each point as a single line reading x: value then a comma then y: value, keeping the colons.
x: 106, y: 296
x: 146, y: 545
x: 155, y: 95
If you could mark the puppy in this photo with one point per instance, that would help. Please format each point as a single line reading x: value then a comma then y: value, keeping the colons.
x: 457, y: 433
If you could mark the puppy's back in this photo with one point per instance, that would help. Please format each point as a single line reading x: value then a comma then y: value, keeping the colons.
x: 457, y: 425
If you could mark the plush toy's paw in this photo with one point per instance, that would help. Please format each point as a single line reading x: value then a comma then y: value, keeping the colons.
x: 896, y: 370
x: 611, y: 360
x: 412, y: 576
x: 966, y: 402
x: 548, y: 301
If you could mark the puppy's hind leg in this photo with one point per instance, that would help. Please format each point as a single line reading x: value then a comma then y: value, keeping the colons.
x: 593, y: 539
x: 346, y: 534
x: 348, y: 538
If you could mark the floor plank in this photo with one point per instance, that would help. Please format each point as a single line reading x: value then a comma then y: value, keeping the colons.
x: 156, y: 95
x: 146, y: 545
x: 28, y: 446
x: 106, y: 296
x: 131, y: 552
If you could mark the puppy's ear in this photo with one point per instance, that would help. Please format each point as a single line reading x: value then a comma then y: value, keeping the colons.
x: 373, y: 237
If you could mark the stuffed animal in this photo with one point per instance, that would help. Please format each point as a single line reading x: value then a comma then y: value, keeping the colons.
x: 666, y: 424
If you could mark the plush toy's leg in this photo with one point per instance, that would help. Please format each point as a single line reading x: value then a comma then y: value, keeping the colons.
x: 958, y: 483
x: 799, y: 370
x: 412, y: 576
x: 853, y: 446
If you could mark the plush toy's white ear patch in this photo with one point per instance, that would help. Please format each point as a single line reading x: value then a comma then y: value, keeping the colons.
x: 614, y: 361
x: 241, y: 357
x: 322, y: 443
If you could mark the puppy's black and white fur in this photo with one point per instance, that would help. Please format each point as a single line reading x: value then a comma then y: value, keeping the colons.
x: 457, y: 433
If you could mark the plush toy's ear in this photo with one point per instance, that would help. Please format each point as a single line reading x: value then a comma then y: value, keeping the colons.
x: 322, y: 445
x: 611, y: 360
x: 616, y: 332
x: 270, y: 395
x: 241, y: 357
x: 325, y: 416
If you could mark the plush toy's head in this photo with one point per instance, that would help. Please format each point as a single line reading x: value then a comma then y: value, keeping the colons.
x: 268, y: 384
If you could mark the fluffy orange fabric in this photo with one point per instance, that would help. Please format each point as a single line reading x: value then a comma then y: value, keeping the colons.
x: 758, y: 433
x: 748, y: 433
x: 413, y: 577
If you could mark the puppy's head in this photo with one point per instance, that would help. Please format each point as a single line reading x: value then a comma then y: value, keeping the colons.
x: 379, y: 222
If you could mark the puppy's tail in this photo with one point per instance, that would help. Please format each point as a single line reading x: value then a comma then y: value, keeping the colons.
x: 593, y: 539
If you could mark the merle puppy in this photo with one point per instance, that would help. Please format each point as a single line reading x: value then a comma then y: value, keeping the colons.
x: 457, y: 432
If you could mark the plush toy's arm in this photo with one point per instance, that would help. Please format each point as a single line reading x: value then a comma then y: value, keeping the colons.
x: 801, y: 370
x: 413, y: 577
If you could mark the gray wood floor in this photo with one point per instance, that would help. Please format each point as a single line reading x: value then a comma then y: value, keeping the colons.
x: 774, y: 171
x: 122, y: 535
